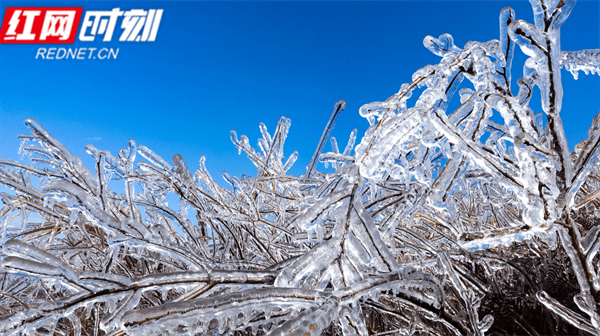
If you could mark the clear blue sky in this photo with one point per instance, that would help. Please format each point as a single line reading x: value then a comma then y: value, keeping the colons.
x: 218, y: 66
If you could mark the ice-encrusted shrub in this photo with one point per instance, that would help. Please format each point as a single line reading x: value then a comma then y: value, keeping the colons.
x: 438, y: 222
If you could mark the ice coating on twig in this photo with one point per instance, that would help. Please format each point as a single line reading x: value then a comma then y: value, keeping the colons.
x: 587, y: 61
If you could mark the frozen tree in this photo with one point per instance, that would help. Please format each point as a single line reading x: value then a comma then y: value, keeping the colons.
x: 470, y: 220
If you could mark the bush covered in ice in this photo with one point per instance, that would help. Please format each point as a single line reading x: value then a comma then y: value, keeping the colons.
x: 465, y: 221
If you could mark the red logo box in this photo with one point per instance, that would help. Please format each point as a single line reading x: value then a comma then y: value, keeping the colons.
x: 40, y: 24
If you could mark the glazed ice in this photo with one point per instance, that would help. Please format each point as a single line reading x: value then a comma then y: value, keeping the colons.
x: 419, y: 222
